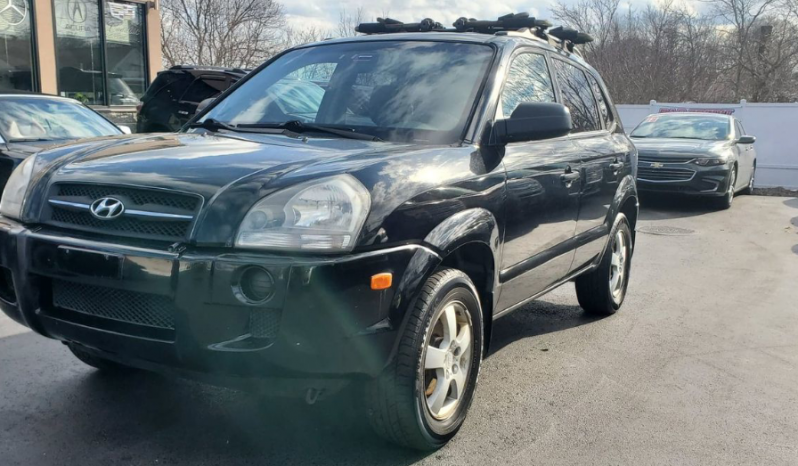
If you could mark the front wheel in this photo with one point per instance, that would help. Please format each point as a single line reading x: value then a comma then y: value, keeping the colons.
x: 726, y: 201
x: 421, y: 400
x: 602, y: 291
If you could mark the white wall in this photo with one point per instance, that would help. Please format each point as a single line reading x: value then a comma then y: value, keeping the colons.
x: 774, y: 125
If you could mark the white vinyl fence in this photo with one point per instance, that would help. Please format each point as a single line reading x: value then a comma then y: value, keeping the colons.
x: 774, y: 125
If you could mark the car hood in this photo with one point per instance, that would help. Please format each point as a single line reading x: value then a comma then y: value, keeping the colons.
x: 230, y: 171
x: 675, y: 147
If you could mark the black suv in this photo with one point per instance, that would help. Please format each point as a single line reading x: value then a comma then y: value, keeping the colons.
x: 403, y: 192
x: 172, y: 99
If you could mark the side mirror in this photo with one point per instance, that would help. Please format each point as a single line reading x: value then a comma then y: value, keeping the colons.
x: 533, y: 121
x: 746, y: 140
x: 125, y: 129
x: 204, y: 104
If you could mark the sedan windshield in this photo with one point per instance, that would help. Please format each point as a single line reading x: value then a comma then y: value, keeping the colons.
x: 42, y: 119
x: 707, y: 127
x: 396, y: 91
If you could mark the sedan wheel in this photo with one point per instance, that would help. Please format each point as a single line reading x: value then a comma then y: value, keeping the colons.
x: 620, y: 254
x: 727, y: 200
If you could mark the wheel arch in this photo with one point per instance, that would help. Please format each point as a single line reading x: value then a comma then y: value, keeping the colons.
x: 468, y: 241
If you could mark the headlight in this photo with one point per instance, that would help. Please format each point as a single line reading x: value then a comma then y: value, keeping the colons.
x: 17, y: 186
x: 322, y: 215
x: 709, y: 162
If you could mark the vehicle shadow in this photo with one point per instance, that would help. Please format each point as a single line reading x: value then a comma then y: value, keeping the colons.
x: 534, y: 319
x: 659, y: 207
x: 792, y: 202
x: 85, y: 417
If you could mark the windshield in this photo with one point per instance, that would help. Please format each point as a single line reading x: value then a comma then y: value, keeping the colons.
x: 707, y: 127
x: 37, y: 119
x: 396, y: 91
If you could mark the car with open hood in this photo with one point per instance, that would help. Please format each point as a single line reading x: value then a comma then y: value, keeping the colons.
x: 366, y: 224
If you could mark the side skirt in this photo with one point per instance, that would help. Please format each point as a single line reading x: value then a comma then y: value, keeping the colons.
x: 588, y: 267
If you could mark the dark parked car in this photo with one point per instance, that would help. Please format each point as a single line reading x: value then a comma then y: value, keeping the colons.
x: 698, y: 154
x: 32, y: 122
x: 444, y: 180
x: 172, y: 99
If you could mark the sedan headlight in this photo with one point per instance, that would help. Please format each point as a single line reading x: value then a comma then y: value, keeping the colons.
x: 16, y: 187
x: 709, y: 162
x: 321, y: 215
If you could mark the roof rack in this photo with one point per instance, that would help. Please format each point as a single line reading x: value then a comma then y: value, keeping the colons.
x: 565, y: 38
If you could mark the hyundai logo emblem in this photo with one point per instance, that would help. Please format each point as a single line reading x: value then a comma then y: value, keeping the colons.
x: 107, y: 208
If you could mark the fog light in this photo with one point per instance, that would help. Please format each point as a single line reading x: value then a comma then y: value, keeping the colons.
x: 255, y: 285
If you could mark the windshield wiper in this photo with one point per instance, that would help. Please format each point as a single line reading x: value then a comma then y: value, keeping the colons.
x: 212, y: 124
x: 297, y: 126
x: 33, y: 140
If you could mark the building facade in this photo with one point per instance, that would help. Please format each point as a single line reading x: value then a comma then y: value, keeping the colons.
x: 101, y: 52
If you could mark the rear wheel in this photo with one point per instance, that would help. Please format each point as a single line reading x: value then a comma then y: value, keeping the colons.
x: 750, y: 188
x: 602, y: 291
x: 421, y: 399
x: 102, y: 364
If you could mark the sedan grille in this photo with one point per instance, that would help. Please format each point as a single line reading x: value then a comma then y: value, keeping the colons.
x: 109, y: 303
x: 148, y: 213
x: 664, y: 174
x: 657, y: 158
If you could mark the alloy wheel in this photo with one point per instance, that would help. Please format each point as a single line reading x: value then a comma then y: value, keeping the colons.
x: 732, y: 182
x: 620, y: 254
x: 448, y: 360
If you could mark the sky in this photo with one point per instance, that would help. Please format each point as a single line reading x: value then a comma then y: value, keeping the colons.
x: 324, y: 14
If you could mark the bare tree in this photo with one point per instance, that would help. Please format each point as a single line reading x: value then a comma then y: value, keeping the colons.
x: 233, y: 33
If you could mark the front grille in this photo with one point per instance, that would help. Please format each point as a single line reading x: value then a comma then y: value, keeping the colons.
x: 657, y: 158
x: 109, y: 303
x: 127, y: 226
x: 664, y: 174
x: 137, y: 197
x: 168, y: 215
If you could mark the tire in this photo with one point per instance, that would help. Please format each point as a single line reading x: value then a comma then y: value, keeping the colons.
x: 406, y: 406
x: 595, y: 290
x: 750, y: 188
x: 101, y: 364
x: 727, y: 200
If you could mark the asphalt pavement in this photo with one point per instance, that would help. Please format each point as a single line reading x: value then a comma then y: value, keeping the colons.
x: 699, y: 367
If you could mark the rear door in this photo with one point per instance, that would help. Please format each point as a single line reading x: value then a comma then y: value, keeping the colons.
x: 543, y: 186
x: 746, y: 156
x: 605, y: 155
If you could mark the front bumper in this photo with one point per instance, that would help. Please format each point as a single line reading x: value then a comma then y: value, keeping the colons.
x: 322, y: 322
x: 683, y: 178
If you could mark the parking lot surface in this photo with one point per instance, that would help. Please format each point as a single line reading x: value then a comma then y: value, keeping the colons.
x: 699, y: 367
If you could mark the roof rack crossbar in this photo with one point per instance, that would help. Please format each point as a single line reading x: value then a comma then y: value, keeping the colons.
x: 388, y: 25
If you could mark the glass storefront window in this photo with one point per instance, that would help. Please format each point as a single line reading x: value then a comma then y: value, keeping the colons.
x: 100, y: 62
x: 124, y: 51
x: 16, y: 45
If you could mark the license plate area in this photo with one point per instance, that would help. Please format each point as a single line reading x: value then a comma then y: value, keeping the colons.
x: 86, y: 263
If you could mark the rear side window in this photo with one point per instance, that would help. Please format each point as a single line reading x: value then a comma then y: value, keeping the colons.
x: 603, y: 105
x: 578, y: 97
x: 527, y: 81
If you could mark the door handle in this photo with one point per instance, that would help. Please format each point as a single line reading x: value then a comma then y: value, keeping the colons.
x: 569, y: 178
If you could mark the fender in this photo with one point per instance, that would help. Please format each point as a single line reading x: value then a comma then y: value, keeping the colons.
x: 627, y: 188
x: 476, y: 225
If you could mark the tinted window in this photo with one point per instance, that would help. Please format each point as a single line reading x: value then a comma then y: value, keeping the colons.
x: 577, y: 96
x: 681, y: 126
x: 405, y: 90
x: 603, y: 105
x: 527, y: 81
x: 203, y: 89
x: 740, y: 129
